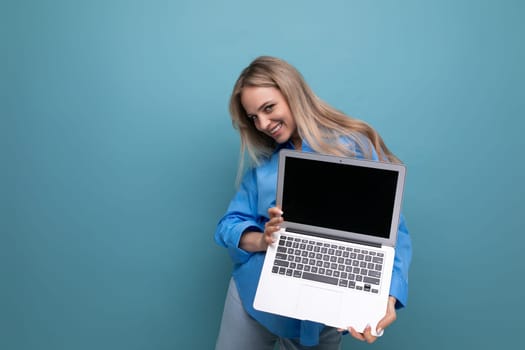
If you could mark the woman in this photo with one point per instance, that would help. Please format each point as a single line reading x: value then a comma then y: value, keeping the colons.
x: 273, y: 108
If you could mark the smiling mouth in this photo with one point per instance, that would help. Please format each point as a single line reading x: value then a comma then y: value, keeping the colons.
x: 276, y: 128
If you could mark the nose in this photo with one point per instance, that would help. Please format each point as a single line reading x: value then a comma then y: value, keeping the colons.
x: 262, y: 123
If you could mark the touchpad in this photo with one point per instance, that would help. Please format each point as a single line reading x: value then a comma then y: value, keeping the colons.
x: 318, y: 304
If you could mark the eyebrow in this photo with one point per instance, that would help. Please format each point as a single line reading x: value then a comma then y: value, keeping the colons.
x: 264, y: 105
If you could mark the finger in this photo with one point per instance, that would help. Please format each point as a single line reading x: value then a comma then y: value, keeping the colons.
x: 367, y: 334
x: 275, y: 212
x: 276, y: 220
x: 386, y: 321
x: 269, y: 234
x: 356, y: 334
x: 272, y: 226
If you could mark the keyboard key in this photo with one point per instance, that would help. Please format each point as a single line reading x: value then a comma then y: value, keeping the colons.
x: 318, y: 278
x: 377, y: 260
x: 281, y: 263
x: 373, y: 273
x: 371, y: 280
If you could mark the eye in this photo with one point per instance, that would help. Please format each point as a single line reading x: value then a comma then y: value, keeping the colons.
x: 269, y: 108
x: 252, y: 117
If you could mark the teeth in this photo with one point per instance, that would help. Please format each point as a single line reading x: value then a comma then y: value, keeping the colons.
x: 277, y: 127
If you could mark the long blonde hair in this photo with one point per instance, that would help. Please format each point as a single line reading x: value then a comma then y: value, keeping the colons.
x: 319, y: 124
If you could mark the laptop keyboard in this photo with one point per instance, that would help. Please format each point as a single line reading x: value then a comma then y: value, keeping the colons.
x: 343, y: 266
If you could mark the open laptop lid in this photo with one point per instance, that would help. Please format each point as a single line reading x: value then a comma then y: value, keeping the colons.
x: 353, y: 199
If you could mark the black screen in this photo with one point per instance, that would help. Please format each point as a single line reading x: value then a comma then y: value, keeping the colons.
x: 339, y: 196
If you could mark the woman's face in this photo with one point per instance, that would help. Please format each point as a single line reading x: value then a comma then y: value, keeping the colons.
x: 269, y: 111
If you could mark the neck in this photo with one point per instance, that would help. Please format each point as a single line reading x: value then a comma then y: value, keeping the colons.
x: 298, y: 143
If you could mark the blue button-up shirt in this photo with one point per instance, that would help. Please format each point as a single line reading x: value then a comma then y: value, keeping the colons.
x: 248, y: 211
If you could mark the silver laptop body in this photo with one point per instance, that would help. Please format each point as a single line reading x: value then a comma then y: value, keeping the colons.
x: 332, y: 259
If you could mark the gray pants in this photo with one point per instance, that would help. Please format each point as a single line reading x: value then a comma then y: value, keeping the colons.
x: 239, y: 331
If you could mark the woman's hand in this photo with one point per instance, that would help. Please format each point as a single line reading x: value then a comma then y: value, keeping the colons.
x: 258, y: 242
x: 273, y: 225
x: 385, y: 322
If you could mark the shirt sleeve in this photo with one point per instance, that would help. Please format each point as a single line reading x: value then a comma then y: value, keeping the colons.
x: 240, y: 216
x: 403, y: 256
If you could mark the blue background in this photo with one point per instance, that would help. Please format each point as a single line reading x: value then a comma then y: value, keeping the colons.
x: 118, y: 158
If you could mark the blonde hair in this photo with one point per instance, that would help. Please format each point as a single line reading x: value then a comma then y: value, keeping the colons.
x: 319, y: 124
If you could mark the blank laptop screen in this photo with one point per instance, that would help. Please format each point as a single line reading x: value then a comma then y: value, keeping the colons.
x: 339, y: 196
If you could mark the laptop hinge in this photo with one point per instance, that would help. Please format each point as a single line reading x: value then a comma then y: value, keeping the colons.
x: 344, y: 239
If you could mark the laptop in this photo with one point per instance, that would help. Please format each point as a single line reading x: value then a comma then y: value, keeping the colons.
x: 332, y: 258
